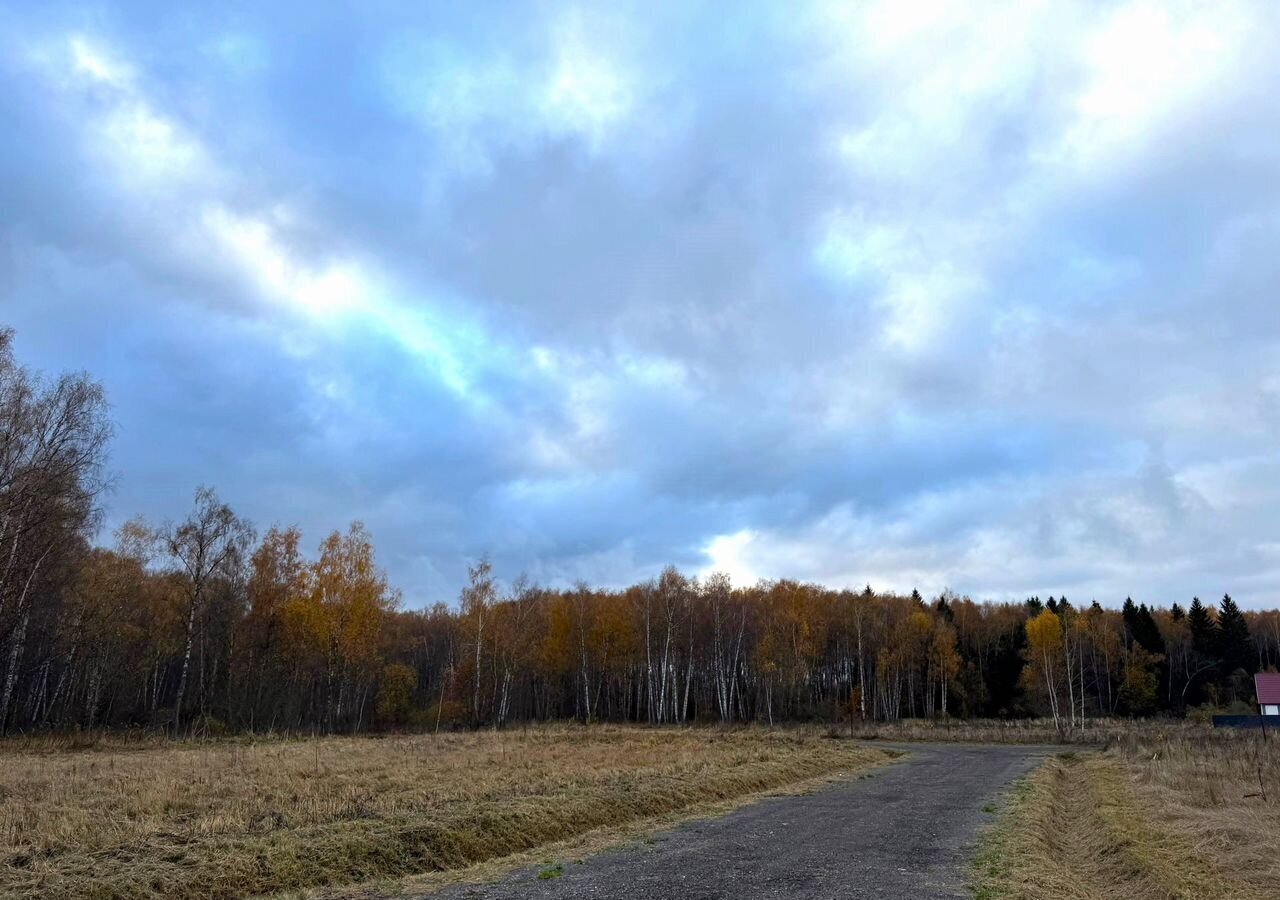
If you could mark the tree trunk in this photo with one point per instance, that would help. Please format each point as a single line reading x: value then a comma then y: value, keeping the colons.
x: 186, y: 665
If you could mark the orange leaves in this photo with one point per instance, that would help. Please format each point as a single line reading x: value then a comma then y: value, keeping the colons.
x: 333, y: 610
x: 794, y: 629
x: 559, y: 645
x: 351, y: 596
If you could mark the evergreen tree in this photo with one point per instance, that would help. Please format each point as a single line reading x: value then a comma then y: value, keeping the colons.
x: 1129, y: 612
x: 944, y: 608
x: 1235, y: 647
x: 1146, y: 632
x: 1176, y: 613
x: 1203, y: 630
x: 1034, y: 607
x: 1052, y: 605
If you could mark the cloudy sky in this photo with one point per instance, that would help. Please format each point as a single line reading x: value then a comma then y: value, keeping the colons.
x: 968, y: 295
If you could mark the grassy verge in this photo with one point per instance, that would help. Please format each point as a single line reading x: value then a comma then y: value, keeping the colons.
x: 1096, y: 733
x: 1090, y: 827
x: 559, y: 856
x: 230, y: 820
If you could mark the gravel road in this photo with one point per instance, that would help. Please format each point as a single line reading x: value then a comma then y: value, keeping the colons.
x: 908, y: 831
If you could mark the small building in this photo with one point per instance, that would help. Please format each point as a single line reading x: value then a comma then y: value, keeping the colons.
x: 1267, y: 684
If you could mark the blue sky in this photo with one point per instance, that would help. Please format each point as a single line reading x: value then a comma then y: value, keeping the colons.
x: 969, y: 295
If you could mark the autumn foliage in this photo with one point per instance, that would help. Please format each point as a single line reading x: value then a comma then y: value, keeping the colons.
x: 203, y: 625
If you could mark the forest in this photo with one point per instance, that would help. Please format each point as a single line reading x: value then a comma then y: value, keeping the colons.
x: 205, y: 626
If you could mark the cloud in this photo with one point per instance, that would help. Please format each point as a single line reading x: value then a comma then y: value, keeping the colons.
x: 930, y: 295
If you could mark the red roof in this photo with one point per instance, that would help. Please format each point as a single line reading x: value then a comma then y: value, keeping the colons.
x: 1267, y: 685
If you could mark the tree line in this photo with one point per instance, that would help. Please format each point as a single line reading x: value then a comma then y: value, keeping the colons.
x: 205, y: 625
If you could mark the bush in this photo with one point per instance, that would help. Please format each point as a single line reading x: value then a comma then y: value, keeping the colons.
x: 395, y: 694
x: 450, y: 714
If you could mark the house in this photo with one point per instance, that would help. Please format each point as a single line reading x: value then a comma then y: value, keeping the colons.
x: 1267, y: 684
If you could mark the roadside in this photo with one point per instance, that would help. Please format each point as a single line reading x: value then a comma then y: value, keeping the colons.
x: 228, y: 820
x: 554, y: 857
x: 1154, y: 819
x: 907, y: 830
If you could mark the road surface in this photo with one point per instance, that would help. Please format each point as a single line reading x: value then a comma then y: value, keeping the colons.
x: 907, y: 831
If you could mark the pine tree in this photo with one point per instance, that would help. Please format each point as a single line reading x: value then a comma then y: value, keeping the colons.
x: 1235, y: 647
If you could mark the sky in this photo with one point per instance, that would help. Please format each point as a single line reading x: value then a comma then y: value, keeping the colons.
x: 970, y: 295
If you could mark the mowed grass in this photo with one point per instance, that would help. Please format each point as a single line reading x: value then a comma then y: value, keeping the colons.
x: 1166, y: 813
x: 239, y: 818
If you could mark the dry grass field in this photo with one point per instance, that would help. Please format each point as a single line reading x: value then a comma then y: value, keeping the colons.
x: 1098, y: 732
x: 1181, y: 812
x: 117, y: 818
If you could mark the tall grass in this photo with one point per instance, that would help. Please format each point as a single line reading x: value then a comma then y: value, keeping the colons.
x: 1164, y: 812
x: 1220, y: 793
x: 229, y: 819
x: 1095, y: 732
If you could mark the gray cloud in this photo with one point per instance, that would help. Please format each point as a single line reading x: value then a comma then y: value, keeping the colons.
x: 983, y: 302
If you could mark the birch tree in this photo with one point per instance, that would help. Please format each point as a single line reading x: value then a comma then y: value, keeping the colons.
x: 209, y: 544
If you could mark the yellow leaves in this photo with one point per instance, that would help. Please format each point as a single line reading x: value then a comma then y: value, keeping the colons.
x: 1044, y: 633
x: 794, y: 628
x: 278, y: 574
x: 334, y: 607
x: 395, y: 693
x: 942, y: 650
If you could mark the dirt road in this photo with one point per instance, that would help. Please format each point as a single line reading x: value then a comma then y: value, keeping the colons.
x: 908, y: 831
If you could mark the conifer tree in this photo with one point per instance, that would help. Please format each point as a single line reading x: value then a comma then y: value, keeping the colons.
x: 1234, y: 644
x: 1146, y: 632
x: 1129, y: 612
x: 944, y: 608
x: 1203, y: 629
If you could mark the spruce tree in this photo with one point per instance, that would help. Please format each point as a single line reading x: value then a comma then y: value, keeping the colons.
x: 1203, y: 630
x: 1129, y: 612
x: 1235, y: 647
x: 944, y: 608
x: 1146, y: 632
x: 1176, y: 613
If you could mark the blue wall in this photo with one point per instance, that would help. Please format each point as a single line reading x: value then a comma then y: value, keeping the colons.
x: 1247, y: 722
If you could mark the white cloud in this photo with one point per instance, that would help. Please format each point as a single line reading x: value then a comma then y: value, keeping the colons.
x: 729, y: 553
x: 588, y: 92
x: 574, y: 80
x: 1145, y: 65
